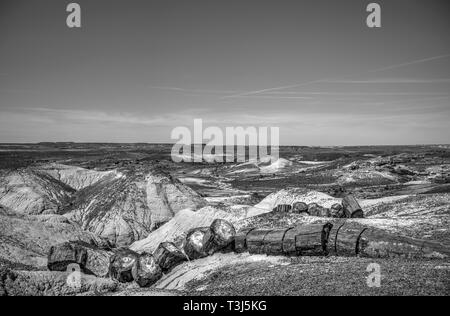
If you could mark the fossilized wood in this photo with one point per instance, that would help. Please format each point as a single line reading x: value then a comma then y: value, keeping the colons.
x: 255, y: 240
x: 312, y: 240
x: 273, y: 242
x: 282, y: 208
x: 344, y: 238
x: 146, y: 271
x: 168, y: 256
x: 220, y: 236
x: 352, y: 207
x: 300, y: 207
x: 240, y: 240
x: 122, y: 264
x: 355, y: 239
x: 307, y: 240
x: 376, y: 243
x: 194, y: 243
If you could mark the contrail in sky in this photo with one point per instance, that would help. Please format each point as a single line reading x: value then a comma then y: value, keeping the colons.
x: 419, y: 61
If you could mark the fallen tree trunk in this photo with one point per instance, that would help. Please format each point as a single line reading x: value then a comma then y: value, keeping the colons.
x: 300, y: 207
x: 352, y: 207
x: 282, y: 208
x: 240, y: 240
x: 312, y: 240
x: 273, y: 242
x: 194, y: 243
x: 122, y: 264
x: 376, y: 243
x: 355, y: 239
x: 220, y: 235
x: 344, y: 238
x: 255, y: 241
x: 168, y: 256
x: 307, y: 240
x: 147, y: 271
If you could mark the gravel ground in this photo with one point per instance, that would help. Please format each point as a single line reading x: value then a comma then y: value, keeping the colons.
x: 326, y: 276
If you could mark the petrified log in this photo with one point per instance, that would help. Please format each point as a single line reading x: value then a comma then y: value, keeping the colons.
x: 240, y: 240
x: 354, y: 239
x: 376, y: 243
x: 121, y: 265
x: 255, y: 240
x: 282, y: 208
x: 62, y: 255
x: 316, y: 210
x: 300, y: 207
x: 146, y: 271
x: 337, y: 211
x: 168, y: 256
x: 352, y: 207
x: 344, y: 238
x: 273, y: 242
x: 90, y: 259
x: 307, y: 240
x: 220, y: 235
x: 194, y: 243
x: 312, y: 240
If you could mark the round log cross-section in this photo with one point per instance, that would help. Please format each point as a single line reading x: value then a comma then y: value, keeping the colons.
x: 220, y: 236
x: 194, y: 243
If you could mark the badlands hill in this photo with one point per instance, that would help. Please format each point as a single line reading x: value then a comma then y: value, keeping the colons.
x: 131, y: 205
x: 119, y: 206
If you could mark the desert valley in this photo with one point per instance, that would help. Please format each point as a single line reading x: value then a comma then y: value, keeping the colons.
x: 101, y: 203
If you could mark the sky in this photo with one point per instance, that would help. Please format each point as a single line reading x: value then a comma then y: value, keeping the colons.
x: 136, y: 69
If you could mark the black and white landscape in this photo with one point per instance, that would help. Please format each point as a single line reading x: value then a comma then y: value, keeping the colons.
x: 355, y: 202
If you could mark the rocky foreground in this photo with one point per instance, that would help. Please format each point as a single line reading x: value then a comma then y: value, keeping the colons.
x: 140, y: 231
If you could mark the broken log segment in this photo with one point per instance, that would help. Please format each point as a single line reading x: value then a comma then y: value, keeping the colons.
x: 352, y: 207
x: 312, y: 240
x: 300, y: 207
x: 344, y: 238
x: 355, y: 239
x: 317, y: 210
x: 122, y: 264
x: 168, y: 256
x: 273, y: 242
x: 282, y: 208
x: 337, y: 211
x: 194, y: 243
x: 220, y: 235
x: 255, y: 240
x: 147, y: 271
x: 240, y: 240
x: 307, y: 240
x: 376, y: 243
x: 62, y: 255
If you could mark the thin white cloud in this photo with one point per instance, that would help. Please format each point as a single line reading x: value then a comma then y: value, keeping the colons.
x: 194, y: 91
x: 325, y: 80
x: 391, y: 80
x: 414, y: 62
